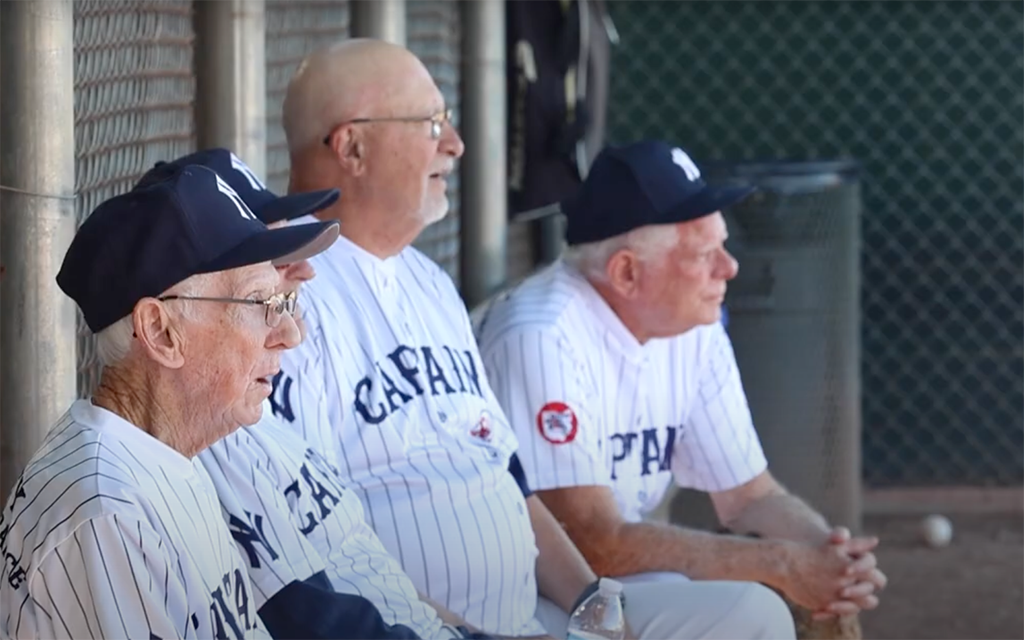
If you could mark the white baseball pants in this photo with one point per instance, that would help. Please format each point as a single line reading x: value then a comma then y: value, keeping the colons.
x: 671, y: 607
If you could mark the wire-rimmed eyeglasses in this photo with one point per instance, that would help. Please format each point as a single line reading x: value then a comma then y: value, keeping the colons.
x: 437, y: 122
x: 276, y: 305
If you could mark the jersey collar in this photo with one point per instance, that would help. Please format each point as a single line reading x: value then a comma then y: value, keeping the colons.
x: 379, y: 271
x: 141, y: 444
x: 616, y: 333
x: 344, y: 246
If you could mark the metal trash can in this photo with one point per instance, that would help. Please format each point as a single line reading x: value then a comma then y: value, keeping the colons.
x: 794, y: 320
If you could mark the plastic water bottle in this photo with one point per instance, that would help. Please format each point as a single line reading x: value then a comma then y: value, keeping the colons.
x: 600, y: 617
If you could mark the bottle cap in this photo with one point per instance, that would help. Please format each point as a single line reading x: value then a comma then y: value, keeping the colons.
x: 609, y: 587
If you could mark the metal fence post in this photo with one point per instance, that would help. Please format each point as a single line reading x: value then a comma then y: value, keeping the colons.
x: 37, y: 182
x: 231, y: 68
x: 484, y: 177
x: 380, y: 19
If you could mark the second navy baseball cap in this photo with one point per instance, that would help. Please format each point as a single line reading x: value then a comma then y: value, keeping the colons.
x: 267, y: 206
x: 640, y: 184
x: 141, y: 243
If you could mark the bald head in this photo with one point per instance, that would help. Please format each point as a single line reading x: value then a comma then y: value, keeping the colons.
x: 350, y: 79
x: 390, y: 142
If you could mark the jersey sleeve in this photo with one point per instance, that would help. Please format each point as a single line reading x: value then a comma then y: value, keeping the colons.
x: 112, y: 578
x: 313, y: 609
x: 540, y: 385
x: 300, y: 399
x: 719, y: 449
x: 269, y: 541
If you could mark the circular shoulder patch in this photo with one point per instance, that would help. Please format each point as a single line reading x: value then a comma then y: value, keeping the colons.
x: 557, y: 423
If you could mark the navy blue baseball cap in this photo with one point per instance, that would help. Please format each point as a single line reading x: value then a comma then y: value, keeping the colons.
x: 143, y: 242
x: 267, y: 206
x: 639, y: 184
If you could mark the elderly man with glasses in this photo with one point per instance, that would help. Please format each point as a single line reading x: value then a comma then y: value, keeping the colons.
x: 317, y: 569
x: 113, y: 529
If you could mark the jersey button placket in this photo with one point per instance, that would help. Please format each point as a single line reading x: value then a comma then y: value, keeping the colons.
x: 403, y: 313
x: 389, y: 298
x: 645, y: 365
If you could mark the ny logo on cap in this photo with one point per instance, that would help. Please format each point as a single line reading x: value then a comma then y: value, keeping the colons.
x: 226, y: 189
x: 241, y: 167
x: 680, y: 158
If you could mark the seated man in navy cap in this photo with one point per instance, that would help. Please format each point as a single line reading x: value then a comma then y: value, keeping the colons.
x: 619, y: 379
x: 318, y: 570
x: 113, y: 529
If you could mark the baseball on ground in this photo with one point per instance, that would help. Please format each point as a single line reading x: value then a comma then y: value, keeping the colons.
x: 936, y: 530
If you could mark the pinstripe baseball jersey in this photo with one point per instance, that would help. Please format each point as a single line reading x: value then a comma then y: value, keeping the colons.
x: 389, y: 383
x: 593, y: 406
x: 291, y: 517
x: 109, y: 533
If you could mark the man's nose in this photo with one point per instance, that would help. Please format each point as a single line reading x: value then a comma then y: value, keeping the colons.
x: 286, y: 335
x: 451, y: 142
x: 729, y: 266
x: 300, y: 271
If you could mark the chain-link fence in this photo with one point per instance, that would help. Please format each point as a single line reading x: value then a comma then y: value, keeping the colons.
x: 295, y: 28
x: 928, y: 97
x: 134, y: 90
x: 433, y: 33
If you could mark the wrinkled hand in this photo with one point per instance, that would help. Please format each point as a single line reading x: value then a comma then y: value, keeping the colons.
x: 863, y: 577
x: 816, y: 574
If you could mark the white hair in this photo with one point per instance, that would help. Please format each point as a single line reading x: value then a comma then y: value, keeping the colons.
x: 650, y: 244
x: 115, y: 341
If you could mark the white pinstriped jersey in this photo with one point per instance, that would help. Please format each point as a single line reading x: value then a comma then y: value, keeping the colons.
x: 291, y: 518
x: 109, y: 533
x: 593, y: 406
x: 389, y: 382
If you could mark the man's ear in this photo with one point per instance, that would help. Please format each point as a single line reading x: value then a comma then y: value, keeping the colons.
x: 159, y: 336
x: 349, y: 148
x: 623, y: 271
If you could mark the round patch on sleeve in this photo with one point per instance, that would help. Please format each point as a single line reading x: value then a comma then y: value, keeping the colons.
x: 557, y: 423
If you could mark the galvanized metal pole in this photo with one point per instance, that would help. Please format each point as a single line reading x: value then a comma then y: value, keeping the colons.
x: 380, y: 19
x: 230, y: 61
x: 37, y: 183
x: 484, y: 178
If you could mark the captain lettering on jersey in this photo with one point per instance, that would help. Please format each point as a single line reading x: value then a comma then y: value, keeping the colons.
x: 114, y: 528
x: 591, y: 402
x: 408, y: 372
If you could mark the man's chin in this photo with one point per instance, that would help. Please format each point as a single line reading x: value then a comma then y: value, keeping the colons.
x: 435, y: 213
x: 711, y: 315
x: 256, y: 399
x: 251, y: 413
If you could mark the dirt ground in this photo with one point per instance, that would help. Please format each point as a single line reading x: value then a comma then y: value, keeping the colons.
x: 973, y: 588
